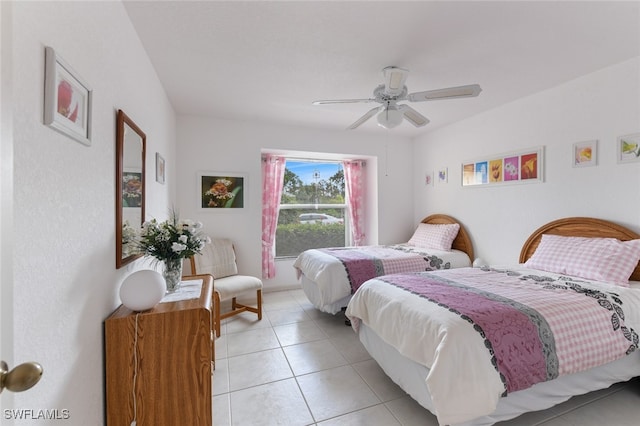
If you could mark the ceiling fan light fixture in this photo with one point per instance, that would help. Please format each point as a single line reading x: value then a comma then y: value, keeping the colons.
x: 390, y: 117
x: 390, y: 113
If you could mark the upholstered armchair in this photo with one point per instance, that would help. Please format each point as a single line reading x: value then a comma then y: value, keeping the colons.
x: 219, y: 260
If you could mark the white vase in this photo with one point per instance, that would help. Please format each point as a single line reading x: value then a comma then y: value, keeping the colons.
x: 142, y: 290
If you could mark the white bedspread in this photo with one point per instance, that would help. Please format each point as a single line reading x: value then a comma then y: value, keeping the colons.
x: 462, y: 381
x: 330, y: 276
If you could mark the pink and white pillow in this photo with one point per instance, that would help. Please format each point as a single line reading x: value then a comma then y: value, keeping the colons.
x: 601, y: 259
x: 437, y: 237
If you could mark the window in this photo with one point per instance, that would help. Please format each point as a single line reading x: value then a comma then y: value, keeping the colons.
x: 312, y: 207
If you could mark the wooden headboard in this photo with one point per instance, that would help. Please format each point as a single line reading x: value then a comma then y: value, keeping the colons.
x: 580, y: 227
x: 462, y: 242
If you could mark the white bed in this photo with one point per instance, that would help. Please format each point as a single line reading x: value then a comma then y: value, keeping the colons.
x: 325, y: 276
x: 447, y: 388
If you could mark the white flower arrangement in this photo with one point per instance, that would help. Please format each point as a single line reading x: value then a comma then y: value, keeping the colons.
x: 172, y: 239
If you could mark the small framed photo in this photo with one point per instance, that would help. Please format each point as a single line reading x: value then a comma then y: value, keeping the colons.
x: 428, y: 178
x: 629, y: 148
x: 585, y: 154
x: 222, y: 190
x: 159, y: 168
x: 67, y: 99
x: 443, y: 175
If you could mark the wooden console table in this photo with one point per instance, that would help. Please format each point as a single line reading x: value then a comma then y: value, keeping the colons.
x: 164, y: 376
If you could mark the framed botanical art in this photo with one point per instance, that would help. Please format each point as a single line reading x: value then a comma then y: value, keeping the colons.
x: 585, y: 154
x: 514, y: 167
x: 443, y: 175
x: 428, y: 178
x: 629, y: 148
x: 222, y: 190
x: 67, y: 99
x: 159, y: 168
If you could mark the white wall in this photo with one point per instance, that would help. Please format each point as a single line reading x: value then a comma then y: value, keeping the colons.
x: 601, y: 105
x: 207, y: 144
x: 65, y: 282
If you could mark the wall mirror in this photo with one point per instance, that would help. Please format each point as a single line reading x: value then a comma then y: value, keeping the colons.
x: 130, y: 186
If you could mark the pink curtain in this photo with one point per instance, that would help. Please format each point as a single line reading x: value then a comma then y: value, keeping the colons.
x: 272, y: 182
x: 355, y: 190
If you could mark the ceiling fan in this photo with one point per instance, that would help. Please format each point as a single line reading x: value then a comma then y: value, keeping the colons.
x: 390, y: 113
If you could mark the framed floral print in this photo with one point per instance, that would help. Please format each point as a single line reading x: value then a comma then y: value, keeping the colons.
x: 222, y: 190
x: 585, y: 154
x: 629, y: 148
x: 67, y: 99
x: 159, y: 168
x: 428, y: 178
x: 526, y: 166
x: 443, y: 175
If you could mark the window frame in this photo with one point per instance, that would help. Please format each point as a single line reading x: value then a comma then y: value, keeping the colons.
x: 312, y: 206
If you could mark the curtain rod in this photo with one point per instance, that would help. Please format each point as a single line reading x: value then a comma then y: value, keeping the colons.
x: 317, y: 160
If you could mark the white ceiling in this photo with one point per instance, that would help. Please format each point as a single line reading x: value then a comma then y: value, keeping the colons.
x: 267, y: 61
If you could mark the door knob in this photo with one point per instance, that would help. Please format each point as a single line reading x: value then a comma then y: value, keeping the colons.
x: 20, y: 378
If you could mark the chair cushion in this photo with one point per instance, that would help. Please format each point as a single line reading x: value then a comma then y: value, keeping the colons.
x: 232, y: 286
x: 217, y: 259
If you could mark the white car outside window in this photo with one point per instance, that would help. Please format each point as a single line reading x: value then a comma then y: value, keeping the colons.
x: 319, y: 218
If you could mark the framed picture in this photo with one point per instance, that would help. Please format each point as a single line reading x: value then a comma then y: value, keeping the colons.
x: 428, y: 178
x: 443, y: 175
x: 222, y: 190
x: 514, y: 167
x: 67, y: 99
x: 159, y: 168
x: 629, y: 148
x: 585, y: 154
x: 132, y: 188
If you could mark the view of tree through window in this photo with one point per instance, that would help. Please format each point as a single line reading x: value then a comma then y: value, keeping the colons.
x: 312, y: 208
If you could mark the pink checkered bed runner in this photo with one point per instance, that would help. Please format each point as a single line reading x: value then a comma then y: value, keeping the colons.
x: 362, y: 264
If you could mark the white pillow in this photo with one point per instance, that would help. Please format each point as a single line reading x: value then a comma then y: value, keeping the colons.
x: 437, y: 237
x: 602, y: 259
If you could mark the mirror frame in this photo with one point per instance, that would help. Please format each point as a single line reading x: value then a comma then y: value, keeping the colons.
x: 121, y: 120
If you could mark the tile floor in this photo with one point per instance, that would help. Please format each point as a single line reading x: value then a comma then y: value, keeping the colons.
x: 299, y: 366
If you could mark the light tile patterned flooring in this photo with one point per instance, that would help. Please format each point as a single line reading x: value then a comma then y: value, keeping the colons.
x: 299, y: 366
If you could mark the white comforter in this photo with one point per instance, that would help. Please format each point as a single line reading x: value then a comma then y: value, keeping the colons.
x: 330, y: 277
x: 462, y: 381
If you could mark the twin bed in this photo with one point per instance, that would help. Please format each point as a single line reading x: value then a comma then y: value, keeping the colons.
x: 330, y: 276
x: 480, y: 345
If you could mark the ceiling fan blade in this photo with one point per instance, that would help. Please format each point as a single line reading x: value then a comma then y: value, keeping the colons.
x: 368, y: 115
x: 394, y: 79
x: 413, y: 116
x: 341, y: 101
x: 448, y: 93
